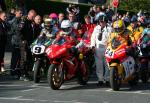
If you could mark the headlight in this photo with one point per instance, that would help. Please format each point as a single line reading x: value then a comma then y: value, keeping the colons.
x: 80, y: 56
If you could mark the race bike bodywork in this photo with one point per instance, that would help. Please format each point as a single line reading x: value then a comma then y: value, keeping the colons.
x: 121, y: 65
x: 66, y: 64
x: 41, y: 62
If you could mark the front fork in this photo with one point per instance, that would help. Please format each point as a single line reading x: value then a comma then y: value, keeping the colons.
x: 120, y: 70
x: 119, y: 67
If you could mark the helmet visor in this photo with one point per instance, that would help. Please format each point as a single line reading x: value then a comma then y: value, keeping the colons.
x: 118, y: 30
x: 66, y: 29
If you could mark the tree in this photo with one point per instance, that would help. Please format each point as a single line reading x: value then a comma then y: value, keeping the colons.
x: 135, y: 5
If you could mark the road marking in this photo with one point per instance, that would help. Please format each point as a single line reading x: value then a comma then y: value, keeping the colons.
x: 21, y: 99
x: 123, y: 92
x: 18, y: 97
x: 12, y: 85
x: 138, y: 92
x: 108, y: 90
x: 34, y: 85
x: 29, y: 90
x: 73, y: 101
x: 63, y: 87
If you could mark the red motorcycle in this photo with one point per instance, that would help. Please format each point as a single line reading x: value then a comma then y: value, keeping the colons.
x: 66, y: 64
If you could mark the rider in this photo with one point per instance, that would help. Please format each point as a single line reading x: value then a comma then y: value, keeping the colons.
x: 48, y: 32
x: 66, y: 32
x: 123, y: 35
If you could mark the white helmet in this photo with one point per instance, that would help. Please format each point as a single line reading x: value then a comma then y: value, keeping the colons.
x: 66, y: 27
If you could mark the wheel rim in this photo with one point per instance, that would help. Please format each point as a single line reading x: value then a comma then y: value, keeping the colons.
x: 57, y: 76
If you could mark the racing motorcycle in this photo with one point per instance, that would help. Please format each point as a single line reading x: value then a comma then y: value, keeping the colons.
x: 41, y: 62
x: 67, y: 63
x: 88, y: 53
x: 121, y: 66
x: 143, y: 58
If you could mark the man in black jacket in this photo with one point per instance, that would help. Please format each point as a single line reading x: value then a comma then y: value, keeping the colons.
x: 16, y: 41
x: 27, y: 37
x: 3, y: 38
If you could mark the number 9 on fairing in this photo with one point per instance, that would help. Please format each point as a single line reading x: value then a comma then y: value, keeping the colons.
x: 38, y: 49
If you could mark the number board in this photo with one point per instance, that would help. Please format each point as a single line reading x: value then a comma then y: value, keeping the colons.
x: 129, y: 64
x: 38, y: 49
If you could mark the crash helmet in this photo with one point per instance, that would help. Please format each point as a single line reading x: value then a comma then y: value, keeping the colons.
x: 48, y: 23
x: 66, y: 27
x: 119, y: 26
x: 101, y: 17
x: 53, y: 16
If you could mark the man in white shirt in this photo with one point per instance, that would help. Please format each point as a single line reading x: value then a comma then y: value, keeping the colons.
x: 99, y: 39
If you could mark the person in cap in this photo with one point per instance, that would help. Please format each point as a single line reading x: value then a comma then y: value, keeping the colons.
x: 99, y: 39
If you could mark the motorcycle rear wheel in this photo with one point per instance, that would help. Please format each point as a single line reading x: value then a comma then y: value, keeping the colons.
x: 114, y: 80
x: 55, y: 77
x: 37, y: 71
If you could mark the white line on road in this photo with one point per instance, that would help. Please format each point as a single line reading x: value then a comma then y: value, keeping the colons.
x: 108, y: 90
x: 29, y: 90
x: 21, y: 99
x: 12, y: 85
x: 34, y: 85
x: 123, y: 92
x: 73, y: 101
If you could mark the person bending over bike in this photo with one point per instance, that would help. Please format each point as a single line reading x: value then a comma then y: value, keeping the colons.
x: 48, y: 33
x: 123, y: 35
x: 66, y: 32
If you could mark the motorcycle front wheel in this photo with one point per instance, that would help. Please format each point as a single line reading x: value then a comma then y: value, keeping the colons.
x: 55, y: 76
x: 37, y: 71
x: 114, y: 80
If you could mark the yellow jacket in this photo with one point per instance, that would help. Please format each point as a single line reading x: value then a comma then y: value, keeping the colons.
x: 125, y: 37
x: 136, y: 33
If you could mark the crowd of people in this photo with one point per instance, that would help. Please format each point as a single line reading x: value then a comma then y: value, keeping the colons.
x: 100, y: 26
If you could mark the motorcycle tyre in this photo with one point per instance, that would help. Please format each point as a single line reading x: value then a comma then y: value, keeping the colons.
x: 114, y: 82
x: 50, y: 79
x: 37, y: 74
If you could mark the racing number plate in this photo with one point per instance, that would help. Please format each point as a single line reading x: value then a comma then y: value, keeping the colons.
x: 38, y: 49
x: 129, y: 66
x: 109, y: 52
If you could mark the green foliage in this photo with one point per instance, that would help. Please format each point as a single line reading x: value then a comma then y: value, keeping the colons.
x: 135, y: 5
x: 10, y: 4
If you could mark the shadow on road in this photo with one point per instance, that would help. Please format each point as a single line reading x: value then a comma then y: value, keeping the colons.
x: 124, y: 87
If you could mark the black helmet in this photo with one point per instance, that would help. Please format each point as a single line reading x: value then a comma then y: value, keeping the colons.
x: 101, y: 17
